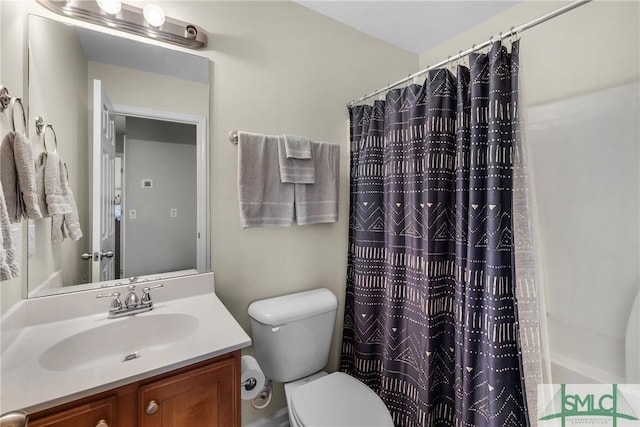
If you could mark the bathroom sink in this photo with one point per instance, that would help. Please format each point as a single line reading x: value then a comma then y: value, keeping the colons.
x: 118, y: 341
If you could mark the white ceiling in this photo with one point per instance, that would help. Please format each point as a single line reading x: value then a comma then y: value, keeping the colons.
x: 416, y: 26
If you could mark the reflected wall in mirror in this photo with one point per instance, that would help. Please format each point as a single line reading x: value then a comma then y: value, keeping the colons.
x: 151, y: 199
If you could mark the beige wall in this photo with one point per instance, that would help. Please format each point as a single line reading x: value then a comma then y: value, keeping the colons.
x: 589, y: 48
x: 135, y: 88
x: 278, y: 67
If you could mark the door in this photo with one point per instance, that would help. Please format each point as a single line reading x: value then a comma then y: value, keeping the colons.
x: 103, y: 212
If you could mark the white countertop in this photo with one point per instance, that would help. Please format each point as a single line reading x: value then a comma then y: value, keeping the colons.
x: 26, y: 385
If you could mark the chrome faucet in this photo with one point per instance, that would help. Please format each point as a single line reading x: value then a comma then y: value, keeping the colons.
x: 132, y: 298
x: 132, y: 304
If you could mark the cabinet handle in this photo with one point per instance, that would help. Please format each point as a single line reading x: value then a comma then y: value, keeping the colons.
x: 102, y: 423
x: 152, y: 407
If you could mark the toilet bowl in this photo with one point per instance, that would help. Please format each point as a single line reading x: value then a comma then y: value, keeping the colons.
x: 335, y: 399
x: 292, y: 338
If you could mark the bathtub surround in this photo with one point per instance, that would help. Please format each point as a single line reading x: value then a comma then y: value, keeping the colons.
x: 431, y: 316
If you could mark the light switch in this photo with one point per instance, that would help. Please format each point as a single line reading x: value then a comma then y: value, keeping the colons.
x: 132, y: 214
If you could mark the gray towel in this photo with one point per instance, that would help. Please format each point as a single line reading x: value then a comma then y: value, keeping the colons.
x: 318, y: 203
x: 264, y: 200
x: 294, y: 170
x: 17, y: 175
x: 297, y: 147
x: 8, y: 256
x: 55, y: 185
x: 68, y: 224
x: 41, y: 161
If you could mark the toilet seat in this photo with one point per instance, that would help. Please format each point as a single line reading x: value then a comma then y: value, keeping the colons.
x: 338, y: 400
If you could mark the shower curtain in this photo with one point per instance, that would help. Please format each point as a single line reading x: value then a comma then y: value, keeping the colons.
x: 431, y: 320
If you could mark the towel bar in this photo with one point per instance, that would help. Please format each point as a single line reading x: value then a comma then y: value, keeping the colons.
x: 233, y: 136
x: 8, y: 101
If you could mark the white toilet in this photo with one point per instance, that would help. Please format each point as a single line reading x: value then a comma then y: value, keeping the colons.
x: 292, y: 337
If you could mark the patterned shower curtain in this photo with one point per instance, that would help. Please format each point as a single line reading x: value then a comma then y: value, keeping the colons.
x: 431, y: 321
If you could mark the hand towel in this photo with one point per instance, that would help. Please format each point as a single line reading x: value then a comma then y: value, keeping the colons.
x: 55, y: 185
x: 264, y: 200
x: 68, y: 224
x: 294, y: 170
x: 318, y: 203
x: 8, y: 256
x: 41, y: 161
x: 17, y: 175
x: 297, y: 147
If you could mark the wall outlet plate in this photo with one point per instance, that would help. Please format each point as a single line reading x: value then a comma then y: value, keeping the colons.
x: 147, y: 183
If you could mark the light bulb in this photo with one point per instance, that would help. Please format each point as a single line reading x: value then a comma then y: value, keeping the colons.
x: 154, y: 15
x: 111, y: 7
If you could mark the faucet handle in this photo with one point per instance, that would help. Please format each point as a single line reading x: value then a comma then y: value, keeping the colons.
x: 132, y: 299
x: 146, y: 297
x: 116, y: 304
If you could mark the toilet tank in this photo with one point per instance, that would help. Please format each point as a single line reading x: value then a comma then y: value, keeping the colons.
x: 292, y: 333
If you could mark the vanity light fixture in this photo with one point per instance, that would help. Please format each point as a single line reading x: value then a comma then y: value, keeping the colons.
x: 154, y: 15
x: 148, y: 22
x: 112, y: 7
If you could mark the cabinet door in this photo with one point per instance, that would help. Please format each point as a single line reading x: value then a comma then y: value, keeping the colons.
x: 204, y: 397
x: 100, y: 413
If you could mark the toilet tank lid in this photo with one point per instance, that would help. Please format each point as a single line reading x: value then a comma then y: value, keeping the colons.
x: 287, y: 308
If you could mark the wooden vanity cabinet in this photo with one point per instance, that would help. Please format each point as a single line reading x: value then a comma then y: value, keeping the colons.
x: 99, y: 413
x: 206, y: 394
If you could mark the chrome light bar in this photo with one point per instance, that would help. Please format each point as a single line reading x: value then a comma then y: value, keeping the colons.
x: 131, y: 19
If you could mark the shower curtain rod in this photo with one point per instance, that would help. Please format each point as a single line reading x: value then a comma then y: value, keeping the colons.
x: 514, y: 30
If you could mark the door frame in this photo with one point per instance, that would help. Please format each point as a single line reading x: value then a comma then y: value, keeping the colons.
x: 203, y: 261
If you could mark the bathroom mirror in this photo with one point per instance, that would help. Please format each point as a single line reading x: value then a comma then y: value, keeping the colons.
x: 142, y: 208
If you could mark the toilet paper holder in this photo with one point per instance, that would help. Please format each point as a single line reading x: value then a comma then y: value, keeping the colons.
x: 249, y: 384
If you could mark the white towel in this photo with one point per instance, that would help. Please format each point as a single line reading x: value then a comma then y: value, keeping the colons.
x: 294, y: 170
x: 264, y: 200
x: 318, y: 203
x: 8, y: 256
x: 17, y: 175
x: 297, y: 147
